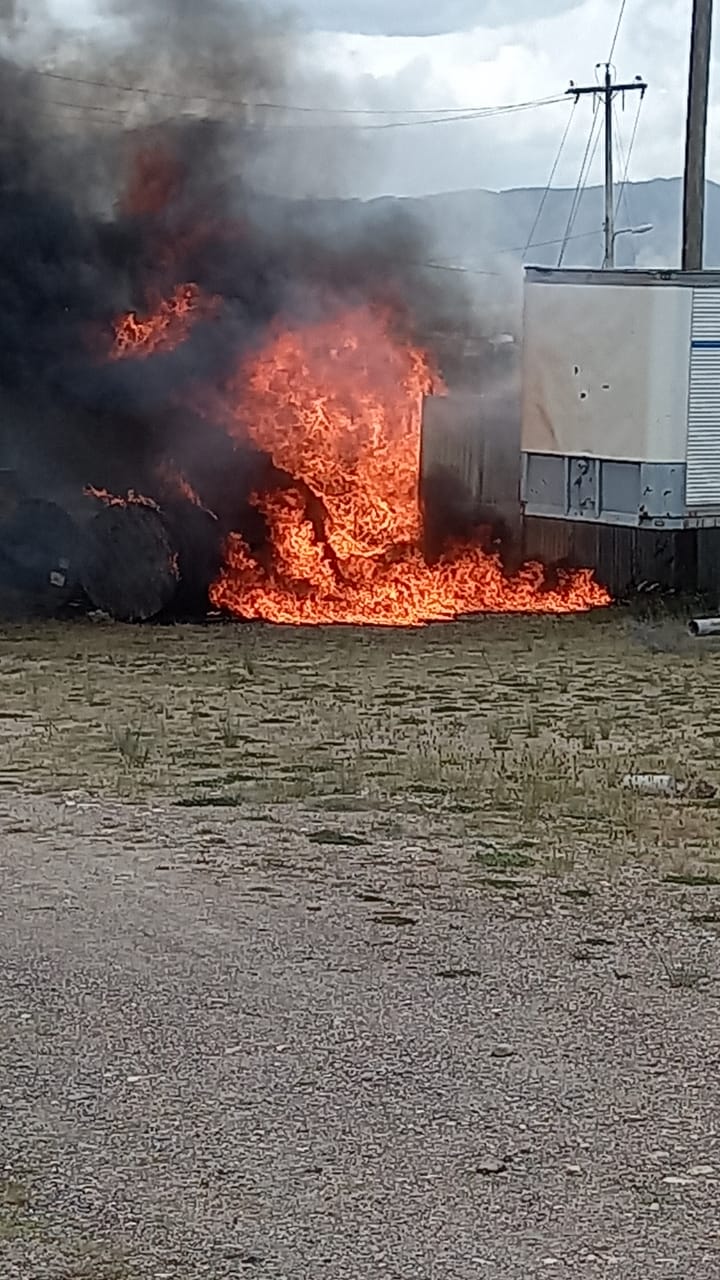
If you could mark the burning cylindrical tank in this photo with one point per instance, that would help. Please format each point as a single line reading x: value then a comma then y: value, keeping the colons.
x: 38, y: 557
x: 196, y: 535
x: 129, y: 564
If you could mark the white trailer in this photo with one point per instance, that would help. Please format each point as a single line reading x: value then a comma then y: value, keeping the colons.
x: 621, y: 398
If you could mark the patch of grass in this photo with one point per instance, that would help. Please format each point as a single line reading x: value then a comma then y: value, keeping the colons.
x: 504, y: 882
x: 394, y: 918
x: 16, y: 1220
x: 13, y: 1194
x: 682, y: 976
x: 327, y: 835
x: 230, y: 731
x: 503, y: 859
x: 132, y: 745
x: 561, y: 862
x: 499, y: 731
x: 414, y: 720
x: 692, y: 879
x: 210, y: 800
x: 88, y: 1261
x: 346, y: 804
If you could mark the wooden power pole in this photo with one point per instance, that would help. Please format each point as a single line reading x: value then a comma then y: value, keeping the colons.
x: 693, y: 235
x: 606, y: 91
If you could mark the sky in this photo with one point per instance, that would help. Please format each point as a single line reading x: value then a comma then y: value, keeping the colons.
x: 418, y: 53
x: 422, y: 54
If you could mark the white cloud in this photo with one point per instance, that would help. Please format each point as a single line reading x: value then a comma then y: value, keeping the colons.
x: 517, y: 61
x: 532, y: 54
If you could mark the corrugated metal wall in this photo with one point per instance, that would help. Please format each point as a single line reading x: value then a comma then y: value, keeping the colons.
x: 470, y: 462
x: 703, y: 456
x: 625, y: 560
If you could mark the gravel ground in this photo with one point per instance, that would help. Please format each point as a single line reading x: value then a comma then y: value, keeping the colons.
x: 274, y: 1050
x: 347, y: 954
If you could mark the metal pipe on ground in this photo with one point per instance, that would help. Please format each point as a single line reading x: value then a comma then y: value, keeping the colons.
x: 704, y: 626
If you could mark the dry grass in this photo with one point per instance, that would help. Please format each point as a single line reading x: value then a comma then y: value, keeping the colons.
x: 512, y: 729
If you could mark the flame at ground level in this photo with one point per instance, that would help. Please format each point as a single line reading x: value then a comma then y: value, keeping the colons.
x: 407, y: 592
x: 337, y: 406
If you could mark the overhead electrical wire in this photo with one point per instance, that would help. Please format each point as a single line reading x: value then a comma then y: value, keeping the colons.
x: 627, y: 159
x: 553, y: 171
x: 85, y: 106
x: 465, y: 268
x: 585, y: 167
x: 432, y: 115
x: 489, y: 113
x: 621, y: 15
x: 622, y: 196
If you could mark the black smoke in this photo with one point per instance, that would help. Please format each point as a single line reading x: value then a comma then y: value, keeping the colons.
x: 112, y: 197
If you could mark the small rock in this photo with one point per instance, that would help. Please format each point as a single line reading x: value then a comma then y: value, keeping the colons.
x: 573, y: 1168
x: 502, y: 1051
x: 677, y: 1182
x: 490, y: 1164
x: 701, y: 1171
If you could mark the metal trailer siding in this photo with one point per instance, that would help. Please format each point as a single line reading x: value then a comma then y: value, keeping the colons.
x: 621, y: 401
x: 702, y: 486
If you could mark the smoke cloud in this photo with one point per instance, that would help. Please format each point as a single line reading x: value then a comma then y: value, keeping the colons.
x: 112, y: 197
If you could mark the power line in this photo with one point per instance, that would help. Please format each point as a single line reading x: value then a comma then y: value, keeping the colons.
x: 85, y: 106
x: 489, y: 113
x: 621, y: 15
x: 623, y: 184
x: 544, y: 244
x: 465, y: 269
x: 437, y: 113
x: 553, y: 171
x: 621, y: 195
x: 588, y: 157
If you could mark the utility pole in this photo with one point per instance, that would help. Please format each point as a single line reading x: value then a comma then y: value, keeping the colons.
x: 695, y: 142
x: 606, y: 92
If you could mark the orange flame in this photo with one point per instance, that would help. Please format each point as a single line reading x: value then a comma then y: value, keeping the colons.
x: 337, y: 405
x: 175, y: 483
x: 166, y: 328
x: 117, y: 499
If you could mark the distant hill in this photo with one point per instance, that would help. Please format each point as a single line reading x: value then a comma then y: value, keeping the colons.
x: 476, y: 226
x: 485, y: 233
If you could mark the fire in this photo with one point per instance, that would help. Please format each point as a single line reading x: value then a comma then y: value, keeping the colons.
x: 119, y: 500
x: 337, y: 405
x: 163, y: 329
x: 176, y: 484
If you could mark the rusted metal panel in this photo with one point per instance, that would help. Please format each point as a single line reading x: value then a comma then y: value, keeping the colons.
x: 470, y: 461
